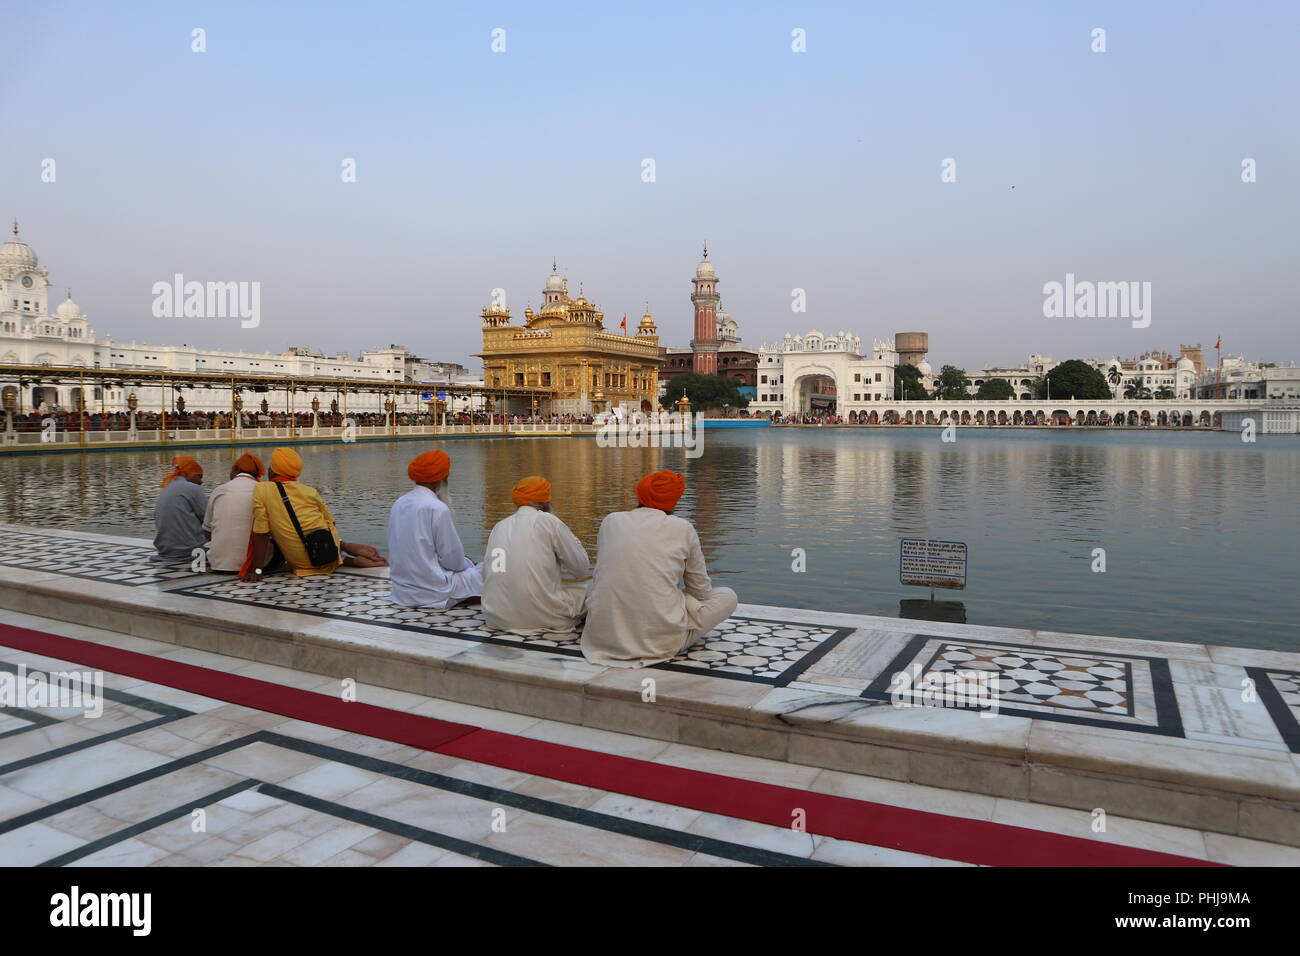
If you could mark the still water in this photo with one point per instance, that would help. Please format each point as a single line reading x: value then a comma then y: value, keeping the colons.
x: 1200, y: 530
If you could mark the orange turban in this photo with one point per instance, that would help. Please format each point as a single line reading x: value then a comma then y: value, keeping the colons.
x: 249, y: 464
x: 429, y: 468
x: 184, y: 465
x: 286, y: 462
x: 531, y: 491
x: 661, y: 490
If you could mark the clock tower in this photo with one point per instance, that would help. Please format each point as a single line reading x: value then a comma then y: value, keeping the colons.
x: 705, y: 298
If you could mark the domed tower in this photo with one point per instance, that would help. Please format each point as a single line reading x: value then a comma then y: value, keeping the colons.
x: 647, y: 326
x: 557, y: 289
x: 705, y: 298
x: 21, y: 278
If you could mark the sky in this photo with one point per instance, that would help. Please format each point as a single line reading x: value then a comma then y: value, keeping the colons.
x: 818, y: 171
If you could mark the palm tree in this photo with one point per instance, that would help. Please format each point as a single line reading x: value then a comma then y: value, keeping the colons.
x: 1164, y: 391
x: 1137, y: 389
x: 1115, y: 376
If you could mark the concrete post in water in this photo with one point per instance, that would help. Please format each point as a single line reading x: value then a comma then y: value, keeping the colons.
x: 315, y: 416
x: 132, y: 403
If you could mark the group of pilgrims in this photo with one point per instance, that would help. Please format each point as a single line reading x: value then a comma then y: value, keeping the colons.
x: 648, y: 599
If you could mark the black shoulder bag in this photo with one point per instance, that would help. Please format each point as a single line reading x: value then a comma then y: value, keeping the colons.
x: 320, y: 546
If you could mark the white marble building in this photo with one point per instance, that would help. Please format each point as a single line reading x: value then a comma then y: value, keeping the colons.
x: 816, y: 373
x: 31, y: 335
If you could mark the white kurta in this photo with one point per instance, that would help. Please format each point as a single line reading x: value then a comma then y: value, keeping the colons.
x: 229, y: 520
x: 523, y: 588
x: 637, y: 613
x: 426, y: 561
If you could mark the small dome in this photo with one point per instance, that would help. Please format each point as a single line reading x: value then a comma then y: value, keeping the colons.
x: 1185, y: 363
x: 554, y: 283
x: 15, y: 252
x: 924, y: 368
x: 69, y: 309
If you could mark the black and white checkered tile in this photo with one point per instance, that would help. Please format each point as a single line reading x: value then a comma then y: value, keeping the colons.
x: 1108, y: 690
x: 127, y: 564
x: 772, y: 652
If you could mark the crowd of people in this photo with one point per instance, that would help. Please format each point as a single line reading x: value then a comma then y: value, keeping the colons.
x: 648, y: 598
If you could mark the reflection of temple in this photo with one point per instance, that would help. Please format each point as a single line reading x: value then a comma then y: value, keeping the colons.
x: 565, y: 347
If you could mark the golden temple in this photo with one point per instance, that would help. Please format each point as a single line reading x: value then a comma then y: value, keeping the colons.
x: 565, y: 348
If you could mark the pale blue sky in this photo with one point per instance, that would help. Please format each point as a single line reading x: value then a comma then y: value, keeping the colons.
x: 817, y: 170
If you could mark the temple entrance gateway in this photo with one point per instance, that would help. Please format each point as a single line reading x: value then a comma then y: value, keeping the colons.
x: 816, y: 394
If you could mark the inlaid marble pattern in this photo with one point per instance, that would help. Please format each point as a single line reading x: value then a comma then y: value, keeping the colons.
x: 1106, y: 690
x: 80, y: 558
x: 742, y: 648
x: 1280, y: 692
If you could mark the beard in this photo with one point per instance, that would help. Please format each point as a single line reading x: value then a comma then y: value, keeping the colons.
x: 444, y: 496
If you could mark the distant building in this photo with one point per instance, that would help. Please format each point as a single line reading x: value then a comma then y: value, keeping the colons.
x: 820, y: 374
x: 565, y: 348
x: 716, y: 348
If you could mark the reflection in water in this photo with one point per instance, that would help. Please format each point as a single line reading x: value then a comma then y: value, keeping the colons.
x: 923, y: 609
x: 1198, y: 528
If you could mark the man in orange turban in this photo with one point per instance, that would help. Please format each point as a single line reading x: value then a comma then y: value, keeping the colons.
x: 178, y: 512
x: 528, y: 555
x: 661, y: 489
x: 429, y: 564
x: 650, y: 598
x: 276, y: 541
x: 228, y: 520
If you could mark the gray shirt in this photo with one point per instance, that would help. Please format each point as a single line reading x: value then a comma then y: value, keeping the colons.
x: 178, y: 520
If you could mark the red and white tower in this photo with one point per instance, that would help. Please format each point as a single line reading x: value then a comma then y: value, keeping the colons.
x: 705, y: 298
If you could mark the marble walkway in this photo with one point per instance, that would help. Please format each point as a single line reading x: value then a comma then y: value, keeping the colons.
x: 1196, y: 736
x: 165, y: 777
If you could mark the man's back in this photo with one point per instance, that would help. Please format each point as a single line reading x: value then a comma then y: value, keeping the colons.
x: 229, y: 519
x: 636, y: 611
x: 178, y: 519
x: 271, y: 516
x: 522, y: 583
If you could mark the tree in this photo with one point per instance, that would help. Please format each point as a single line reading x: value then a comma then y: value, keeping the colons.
x: 1138, y: 389
x: 907, y: 383
x: 1115, y: 376
x: 704, y: 391
x: 996, y: 390
x: 1164, y: 391
x: 952, y: 383
x: 1077, y: 379
x: 1038, y: 387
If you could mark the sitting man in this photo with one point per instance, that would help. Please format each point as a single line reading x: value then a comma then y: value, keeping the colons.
x: 526, y: 553
x: 229, y: 518
x: 274, y: 528
x: 637, y: 612
x: 430, y: 568
x: 178, y: 512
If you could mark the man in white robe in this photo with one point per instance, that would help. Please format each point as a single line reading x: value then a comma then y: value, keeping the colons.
x: 650, y: 597
x: 427, y: 562
x: 229, y: 518
x: 527, y: 555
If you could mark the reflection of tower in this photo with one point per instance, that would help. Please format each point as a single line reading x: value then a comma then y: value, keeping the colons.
x: 705, y: 298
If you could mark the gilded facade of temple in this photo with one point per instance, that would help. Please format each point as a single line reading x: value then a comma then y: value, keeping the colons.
x: 565, y: 348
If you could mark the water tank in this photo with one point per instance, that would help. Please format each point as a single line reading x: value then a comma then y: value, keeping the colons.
x: 911, y: 347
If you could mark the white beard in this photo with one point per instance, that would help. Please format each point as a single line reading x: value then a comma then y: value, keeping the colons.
x: 444, y: 496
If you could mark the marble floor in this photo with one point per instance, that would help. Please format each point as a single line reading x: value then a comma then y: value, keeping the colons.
x: 1215, y: 696
x: 164, y: 777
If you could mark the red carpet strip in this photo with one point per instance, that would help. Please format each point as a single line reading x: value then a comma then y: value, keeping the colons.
x: 844, y: 818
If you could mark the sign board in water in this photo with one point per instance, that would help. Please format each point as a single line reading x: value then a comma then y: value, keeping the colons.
x: 932, y: 564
